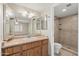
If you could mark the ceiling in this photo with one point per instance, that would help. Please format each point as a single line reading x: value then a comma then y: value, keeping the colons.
x: 18, y: 10
x: 42, y: 7
x: 21, y: 9
x: 33, y: 7
x: 71, y: 10
x: 37, y: 6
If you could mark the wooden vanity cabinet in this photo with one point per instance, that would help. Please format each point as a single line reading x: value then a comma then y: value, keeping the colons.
x: 36, y: 48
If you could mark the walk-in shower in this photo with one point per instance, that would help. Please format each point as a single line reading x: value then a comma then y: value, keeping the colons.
x: 66, y: 28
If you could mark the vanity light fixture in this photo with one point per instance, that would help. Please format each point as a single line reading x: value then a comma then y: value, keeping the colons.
x: 63, y: 10
x: 9, y: 14
x: 45, y: 18
x: 24, y: 13
x: 16, y: 22
x: 31, y: 15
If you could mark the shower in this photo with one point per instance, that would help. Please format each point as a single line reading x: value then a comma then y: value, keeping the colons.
x: 66, y: 28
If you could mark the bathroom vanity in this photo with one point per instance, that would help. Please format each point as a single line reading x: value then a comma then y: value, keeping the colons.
x: 34, y: 46
x: 24, y: 36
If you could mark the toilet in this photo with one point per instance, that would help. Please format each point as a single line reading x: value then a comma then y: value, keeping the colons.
x: 57, y: 47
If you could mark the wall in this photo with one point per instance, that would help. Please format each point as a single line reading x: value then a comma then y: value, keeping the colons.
x: 69, y: 32
x: 1, y: 25
x: 50, y: 31
x: 56, y: 29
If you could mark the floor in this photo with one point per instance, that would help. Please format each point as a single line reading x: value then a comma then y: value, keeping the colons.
x: 64, y: 52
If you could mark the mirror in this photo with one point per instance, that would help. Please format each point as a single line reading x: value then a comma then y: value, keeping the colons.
x: 21, y: 22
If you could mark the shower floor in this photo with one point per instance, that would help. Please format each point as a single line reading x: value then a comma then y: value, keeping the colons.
x: 66, y: 52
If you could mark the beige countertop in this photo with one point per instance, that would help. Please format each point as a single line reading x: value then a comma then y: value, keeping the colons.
x: 18, y: 41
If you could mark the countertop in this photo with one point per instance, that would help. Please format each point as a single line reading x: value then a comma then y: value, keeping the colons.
x: 19, y: 41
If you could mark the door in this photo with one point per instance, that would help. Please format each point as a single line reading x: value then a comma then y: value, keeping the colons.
x: 37, y: 51
x: 45, y: 50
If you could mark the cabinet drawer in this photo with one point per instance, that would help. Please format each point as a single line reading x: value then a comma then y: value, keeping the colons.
x: 37, y: 43
x: 30, y: 52
x: 7, y: 51
x: 26, y: 46
x: 45, y: 41
x: 24, y: 53
x: 16, y: 49
x: 17, y: 54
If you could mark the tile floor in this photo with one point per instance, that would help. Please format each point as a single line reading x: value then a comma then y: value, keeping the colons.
x: 64, y: 52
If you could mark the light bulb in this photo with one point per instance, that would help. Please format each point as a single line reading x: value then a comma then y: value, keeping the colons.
x: 64, y: 10
x: 16, y: 22
x: 24, y: 13
x: 31, y: 15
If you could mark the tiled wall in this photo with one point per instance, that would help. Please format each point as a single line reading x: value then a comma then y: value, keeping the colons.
x: 56, y: 30
x: 68, y: 35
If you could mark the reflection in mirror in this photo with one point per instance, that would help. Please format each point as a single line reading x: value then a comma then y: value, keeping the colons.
x: 42, y: 23
x: 8, y: 22
x: 38, y: 23
x: 22, y: 22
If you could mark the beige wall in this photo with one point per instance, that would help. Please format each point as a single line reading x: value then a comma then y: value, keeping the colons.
x: 56, y: 30
x: 69, y: 32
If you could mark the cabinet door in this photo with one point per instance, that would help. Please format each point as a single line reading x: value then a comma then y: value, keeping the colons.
x: 29, y: 52
x: 24, y: 53
x: 45, y: 41
x: 37, y: 51
x: 16, y: 49
x: 45, y: 50
x: 7, y: 51
x: 36, y: 44
x: 34, y: 51
x: 26, y: 46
